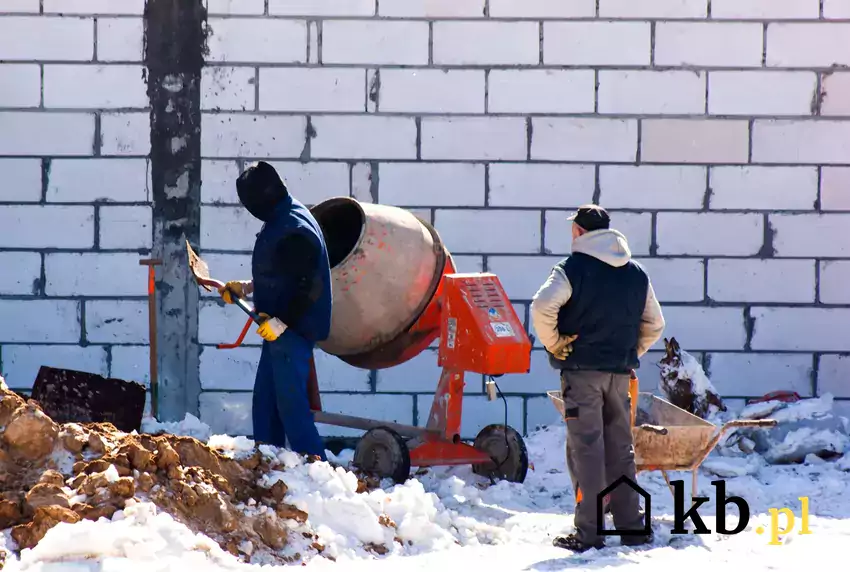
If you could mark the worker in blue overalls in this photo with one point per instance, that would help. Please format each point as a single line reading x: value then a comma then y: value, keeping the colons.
x: 292, y: 293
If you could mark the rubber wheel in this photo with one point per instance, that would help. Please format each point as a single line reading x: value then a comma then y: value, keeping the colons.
x: 383, y: 453
x: 507, y: 449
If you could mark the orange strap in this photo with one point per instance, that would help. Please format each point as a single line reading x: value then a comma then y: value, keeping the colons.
x: 633, y: 398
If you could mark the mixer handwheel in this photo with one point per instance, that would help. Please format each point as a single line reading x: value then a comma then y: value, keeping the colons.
x: 383, y: 452
x: 507, y: 449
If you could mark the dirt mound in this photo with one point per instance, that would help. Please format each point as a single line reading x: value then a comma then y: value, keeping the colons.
x: 52, y: 473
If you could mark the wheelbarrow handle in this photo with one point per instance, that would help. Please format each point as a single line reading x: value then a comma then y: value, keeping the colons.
x: 751, y: 423
x: 653, y: 429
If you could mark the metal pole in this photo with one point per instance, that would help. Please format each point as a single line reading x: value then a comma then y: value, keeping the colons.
x: 151, y: 263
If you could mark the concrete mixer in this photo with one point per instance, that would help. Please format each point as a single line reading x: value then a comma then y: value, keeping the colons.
x: 396, y: 291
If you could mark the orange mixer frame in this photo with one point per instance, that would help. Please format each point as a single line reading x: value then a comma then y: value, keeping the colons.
x: 479, y: 333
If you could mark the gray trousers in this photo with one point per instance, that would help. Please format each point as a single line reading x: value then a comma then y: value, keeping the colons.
x: 600, y: 448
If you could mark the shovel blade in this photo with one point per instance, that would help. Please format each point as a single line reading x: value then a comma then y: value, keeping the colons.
x: 200, y: 269
x: 70, y: 396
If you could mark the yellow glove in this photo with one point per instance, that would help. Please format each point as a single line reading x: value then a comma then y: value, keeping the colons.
x: 271, y: 328
x: 241, y: 288
x: 563, y: 347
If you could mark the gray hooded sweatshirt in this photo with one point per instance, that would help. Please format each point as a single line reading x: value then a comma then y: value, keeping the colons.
x: 609, y: 246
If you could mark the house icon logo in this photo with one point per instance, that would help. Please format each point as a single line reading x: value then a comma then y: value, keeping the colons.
x: 600, y: 509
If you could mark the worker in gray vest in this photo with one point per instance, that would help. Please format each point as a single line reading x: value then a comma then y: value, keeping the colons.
x: 596, y: 315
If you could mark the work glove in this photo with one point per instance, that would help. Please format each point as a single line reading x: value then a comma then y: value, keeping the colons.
x: 270, y: 328
x: 563, y: 347
x: 238, y: 287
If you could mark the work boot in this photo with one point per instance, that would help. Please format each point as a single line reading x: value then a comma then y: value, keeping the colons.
x: 637, y: 540
x: 571, y: 542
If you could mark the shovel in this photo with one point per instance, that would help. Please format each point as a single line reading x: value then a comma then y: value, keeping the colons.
x: 201, y: 272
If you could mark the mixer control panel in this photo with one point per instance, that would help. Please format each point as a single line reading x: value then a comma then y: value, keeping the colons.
x: 480, y: 331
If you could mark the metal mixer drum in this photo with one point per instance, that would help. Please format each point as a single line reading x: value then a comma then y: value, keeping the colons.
x: 386, y: 265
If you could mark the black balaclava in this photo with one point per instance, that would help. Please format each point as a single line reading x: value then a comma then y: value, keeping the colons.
x: 260, y: 190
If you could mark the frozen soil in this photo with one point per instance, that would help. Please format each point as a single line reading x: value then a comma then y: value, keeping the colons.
x: 66, y: 473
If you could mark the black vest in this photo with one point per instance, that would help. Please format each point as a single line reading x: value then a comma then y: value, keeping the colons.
x: 605, y: 310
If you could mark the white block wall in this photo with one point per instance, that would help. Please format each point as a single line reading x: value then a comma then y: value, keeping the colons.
x: 717, y: 136
x: 75, y: 211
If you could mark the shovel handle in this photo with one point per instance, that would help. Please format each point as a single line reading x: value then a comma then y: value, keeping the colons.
x: 239, y: 340
x: 243, y: 305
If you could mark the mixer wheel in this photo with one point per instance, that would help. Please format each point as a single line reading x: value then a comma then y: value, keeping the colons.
x: 383, y: 453
x: 507, y: 449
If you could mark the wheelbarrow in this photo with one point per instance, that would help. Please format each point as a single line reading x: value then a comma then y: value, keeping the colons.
x: 668, y: 438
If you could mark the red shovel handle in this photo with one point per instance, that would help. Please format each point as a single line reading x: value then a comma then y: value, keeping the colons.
x: 240, y: 339
x: 312, y: 381
x: 784, y: 396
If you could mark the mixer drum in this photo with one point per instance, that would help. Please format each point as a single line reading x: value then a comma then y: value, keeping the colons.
x: 386, y: 266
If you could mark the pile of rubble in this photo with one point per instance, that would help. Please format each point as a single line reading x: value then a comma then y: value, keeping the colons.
x: 806, y: 430
x: 52, y: 473
x: 684, y: 383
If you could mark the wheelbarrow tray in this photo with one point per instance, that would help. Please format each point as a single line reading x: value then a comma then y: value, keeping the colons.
x: 668, y: 438
x: 687, y: 441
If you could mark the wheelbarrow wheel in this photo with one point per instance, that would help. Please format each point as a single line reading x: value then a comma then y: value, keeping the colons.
x: 507, y: 449
x: 383, y: 453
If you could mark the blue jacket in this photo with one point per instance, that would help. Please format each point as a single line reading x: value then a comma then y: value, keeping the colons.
x: 291, y: 272
x: 604, y: 297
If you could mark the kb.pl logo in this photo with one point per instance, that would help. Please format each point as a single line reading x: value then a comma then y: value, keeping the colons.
x: 680, y: 515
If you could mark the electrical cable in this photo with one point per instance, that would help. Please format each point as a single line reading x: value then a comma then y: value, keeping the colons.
x: 505, y: 430
x: 505, y: 401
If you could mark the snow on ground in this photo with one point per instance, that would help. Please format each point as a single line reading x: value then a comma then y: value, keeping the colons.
x: 191, y: 426
x: 452, y: 519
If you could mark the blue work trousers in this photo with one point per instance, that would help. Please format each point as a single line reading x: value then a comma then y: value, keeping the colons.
x: 281, y: 406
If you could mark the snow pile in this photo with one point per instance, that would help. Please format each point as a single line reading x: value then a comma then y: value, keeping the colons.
x: 262, y: 504
x: 449, y: 519
x: 67, y: 473
x: 232, y: 447
x: 286, y: 509
x: 804, y: 428
x: 191, y: 426
x: 137, y: 538
x: 727, y: 467
x: 784, y: 412
x: 425, y: 514
x: 5, y: 553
